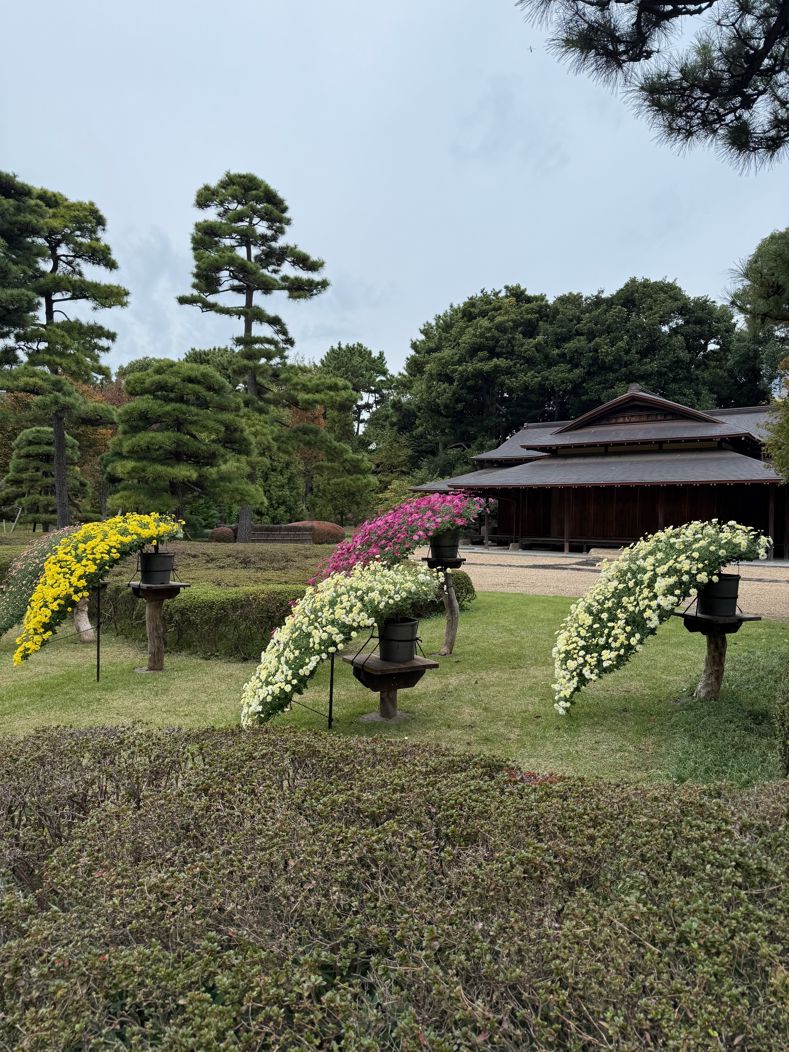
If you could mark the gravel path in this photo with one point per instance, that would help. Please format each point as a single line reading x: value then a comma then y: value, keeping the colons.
x: 764, y: 588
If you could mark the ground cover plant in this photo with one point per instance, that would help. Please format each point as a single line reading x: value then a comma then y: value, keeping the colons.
x: 642, y: 723
x: 387, y: 896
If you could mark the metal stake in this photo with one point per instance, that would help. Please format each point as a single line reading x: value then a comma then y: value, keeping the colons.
x: 331, y: 693
x: 98, y: 632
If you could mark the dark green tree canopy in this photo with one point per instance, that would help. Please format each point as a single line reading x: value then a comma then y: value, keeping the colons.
x: 366, y: 372
x: 762, y: 293
x: 181, y: 439
x: 21, y: 227
x: 30, y: 481
x: 481, y: 369
x: 701, y: 71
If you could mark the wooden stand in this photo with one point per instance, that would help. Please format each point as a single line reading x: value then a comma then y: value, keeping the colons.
x: 155, y: 595
x: 450, y: 600
x: 716, y: 629
x: 386, y: 678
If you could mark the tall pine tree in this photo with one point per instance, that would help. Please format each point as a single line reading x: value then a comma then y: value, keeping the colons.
x: 240, y: 258
x: 66, y: 237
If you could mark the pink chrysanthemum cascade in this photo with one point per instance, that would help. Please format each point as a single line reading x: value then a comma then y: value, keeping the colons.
x: 394, y: 536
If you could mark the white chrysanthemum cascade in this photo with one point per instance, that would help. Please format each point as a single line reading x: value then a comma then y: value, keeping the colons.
x: 638, y: 592
x: 327, y: 618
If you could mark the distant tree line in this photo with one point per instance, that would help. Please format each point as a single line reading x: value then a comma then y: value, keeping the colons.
x: 247, y: 432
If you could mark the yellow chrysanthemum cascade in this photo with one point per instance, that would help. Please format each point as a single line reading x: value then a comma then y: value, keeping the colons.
x: 77, y: 564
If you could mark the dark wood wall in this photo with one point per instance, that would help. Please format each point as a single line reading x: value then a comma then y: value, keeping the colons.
x: 618, y: 513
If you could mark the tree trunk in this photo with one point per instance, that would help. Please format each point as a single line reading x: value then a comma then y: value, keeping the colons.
x: 244, y: 524
x: 82, y: 625
x: 154, y: 626
x: 452, y: 609
x: 60, y: 469
x: 709, y: 687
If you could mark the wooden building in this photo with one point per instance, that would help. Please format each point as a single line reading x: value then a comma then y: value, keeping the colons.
x: 626, y: 468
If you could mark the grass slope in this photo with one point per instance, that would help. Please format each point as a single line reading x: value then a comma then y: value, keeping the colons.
x: 640, y: 724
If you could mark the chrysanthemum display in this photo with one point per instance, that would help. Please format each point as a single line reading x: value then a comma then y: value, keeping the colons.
x: 394, y: 536
x: 638, y: 592
x: 327, y: 618
x: 22, y: 575
x: 77, y: 564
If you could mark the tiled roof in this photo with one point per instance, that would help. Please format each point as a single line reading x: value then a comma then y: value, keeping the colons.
x: 728, y: 423
x: 639, y: 469
x: 459, y: 481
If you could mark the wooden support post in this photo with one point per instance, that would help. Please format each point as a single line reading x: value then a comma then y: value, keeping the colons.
x: 566, y: 495
x: 709, y: 687
x: 387, y: 705
x: 771, y: 521
x: 452, y: 609
x: 82, y: 625
x: 154, y: 626
x: 486, y: 526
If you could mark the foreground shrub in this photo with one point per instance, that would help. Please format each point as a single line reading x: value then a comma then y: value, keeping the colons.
x: 223, y: 890
x: 207, y: 620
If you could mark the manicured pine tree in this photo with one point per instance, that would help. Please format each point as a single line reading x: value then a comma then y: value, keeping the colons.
x: 30, y: 482
x: 21, y: 224
x: 181, y: 439
x: 240, y: 258
x: 68, y: 238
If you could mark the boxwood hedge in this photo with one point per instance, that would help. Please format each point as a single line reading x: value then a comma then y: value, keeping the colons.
x: 273, y: 890
x: 230, y: 622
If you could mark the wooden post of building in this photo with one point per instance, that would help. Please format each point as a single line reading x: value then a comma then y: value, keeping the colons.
x: 771, y: 522
x: 566, y: 493
x: 486, y: 525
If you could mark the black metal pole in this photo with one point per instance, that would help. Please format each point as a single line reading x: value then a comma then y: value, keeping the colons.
x: 331, y: 692
x: 98, y: 633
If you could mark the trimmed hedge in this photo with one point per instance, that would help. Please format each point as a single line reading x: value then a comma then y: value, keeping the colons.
x: 275, y: 890
x: 207, y: 620
x: 228, y: 622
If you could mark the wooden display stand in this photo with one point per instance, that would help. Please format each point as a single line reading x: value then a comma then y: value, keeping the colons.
x: 716, y: 629
x: 155, y: 596
x: 386, y: 678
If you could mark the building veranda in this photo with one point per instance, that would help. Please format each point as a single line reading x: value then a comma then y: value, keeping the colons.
x: 626, y: 468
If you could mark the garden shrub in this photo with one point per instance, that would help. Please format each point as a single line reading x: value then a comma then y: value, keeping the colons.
x: 236, y: 621
x: 207, y: 620
x: 278, y: 890
x: 322, y: 532
x: 222, y: 535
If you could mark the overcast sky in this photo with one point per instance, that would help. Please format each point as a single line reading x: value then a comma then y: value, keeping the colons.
x: 426, y: 148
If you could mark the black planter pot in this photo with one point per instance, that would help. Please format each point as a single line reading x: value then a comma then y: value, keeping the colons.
x: 719, y: 598
x: 397, y: 639
x: 156, y: 567
x: 444, y: 546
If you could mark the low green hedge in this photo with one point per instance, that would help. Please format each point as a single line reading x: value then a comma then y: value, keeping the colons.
x: 229, y: 622
x: 207, y: 620
x: 275, y: 890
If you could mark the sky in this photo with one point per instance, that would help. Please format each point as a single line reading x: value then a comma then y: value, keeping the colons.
x: 426, y: 148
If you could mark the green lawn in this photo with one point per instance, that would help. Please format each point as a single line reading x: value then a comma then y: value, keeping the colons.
x: 639, y: 724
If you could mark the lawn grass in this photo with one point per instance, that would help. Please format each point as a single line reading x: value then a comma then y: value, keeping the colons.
x: 639, y: 724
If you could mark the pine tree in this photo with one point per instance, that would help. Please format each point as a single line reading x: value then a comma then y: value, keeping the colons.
x: 703, y: 71
x: 241, y: 257
x: 21, y: 222
x: 181, y: 440
x: 66, y: 238
x: 30, y: 481
x: 366, y: 372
